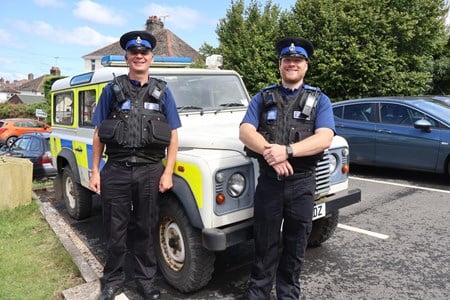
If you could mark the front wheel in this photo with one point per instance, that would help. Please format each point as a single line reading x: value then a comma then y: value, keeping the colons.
x: 78, y: 200
x: 323, y: 229
x: 184, y: 262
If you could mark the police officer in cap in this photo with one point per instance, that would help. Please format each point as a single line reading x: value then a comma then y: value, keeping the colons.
x: 286, y: 128
x: 136, y: 120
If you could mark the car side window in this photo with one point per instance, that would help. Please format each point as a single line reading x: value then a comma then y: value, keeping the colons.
x: 358, y: 112
x: 34, y: 145
x: 396, y: 114
x: 337, y: 111
x: 21, y: 144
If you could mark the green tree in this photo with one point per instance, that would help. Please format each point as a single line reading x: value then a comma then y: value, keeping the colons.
x: 246, y: 41
x: 371, y: 47
x: 362, y: 47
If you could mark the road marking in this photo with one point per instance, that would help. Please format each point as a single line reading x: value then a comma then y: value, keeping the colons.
x: 359, y: 230
x: 401, y: 184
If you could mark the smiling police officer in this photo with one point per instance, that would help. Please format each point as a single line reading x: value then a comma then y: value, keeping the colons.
x: 287, y: 127
x: 136, y: 119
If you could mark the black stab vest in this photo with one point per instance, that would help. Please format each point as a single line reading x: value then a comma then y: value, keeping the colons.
x: 135, y: 144
x: 286, y: 120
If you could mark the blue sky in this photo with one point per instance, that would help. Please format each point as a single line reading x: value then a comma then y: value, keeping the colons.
x: 38, y: 34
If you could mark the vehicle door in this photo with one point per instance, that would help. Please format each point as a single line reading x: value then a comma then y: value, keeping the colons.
x: 355, y: 122
x: 399, y: 144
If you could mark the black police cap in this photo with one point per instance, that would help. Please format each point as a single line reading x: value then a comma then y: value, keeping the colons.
x: 138, y: 40
x: 294, y: 47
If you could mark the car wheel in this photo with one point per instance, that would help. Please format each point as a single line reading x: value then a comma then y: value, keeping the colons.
x: 323, y: 229
x: 78, y: 200
x: 182, y: 259
x: 11, y: 140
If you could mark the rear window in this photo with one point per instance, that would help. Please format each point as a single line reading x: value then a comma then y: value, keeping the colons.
x: 2, y: 123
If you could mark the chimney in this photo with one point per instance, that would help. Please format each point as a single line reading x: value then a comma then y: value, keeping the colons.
x: 30, y: 76
x: 153, y: 23
x: 55, y: 71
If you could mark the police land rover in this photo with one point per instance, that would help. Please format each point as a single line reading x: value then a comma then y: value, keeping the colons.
x: 210, y: 207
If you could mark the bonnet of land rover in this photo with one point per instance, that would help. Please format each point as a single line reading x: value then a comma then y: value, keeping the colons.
x: 210, y: 207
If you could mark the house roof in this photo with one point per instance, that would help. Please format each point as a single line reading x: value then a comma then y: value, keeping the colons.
x: 27, y: 99
x: 34, y: 85
x: 168, y: 44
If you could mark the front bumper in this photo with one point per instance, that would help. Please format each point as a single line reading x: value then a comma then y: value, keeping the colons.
x: 219, y: 239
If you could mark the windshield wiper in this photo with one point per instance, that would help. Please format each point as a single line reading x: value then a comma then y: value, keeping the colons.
x: 193, y: 107
x: 226, y: 105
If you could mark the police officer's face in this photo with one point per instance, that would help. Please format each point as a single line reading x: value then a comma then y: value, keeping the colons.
x: 139, y: 60
x: 293, y: 69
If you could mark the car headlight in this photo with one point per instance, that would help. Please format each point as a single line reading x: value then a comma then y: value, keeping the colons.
x: 236, y: 185
x: 333, y: 163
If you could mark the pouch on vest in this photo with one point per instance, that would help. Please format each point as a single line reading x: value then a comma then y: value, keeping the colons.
x: 157, y: 132
x: 111, y: 131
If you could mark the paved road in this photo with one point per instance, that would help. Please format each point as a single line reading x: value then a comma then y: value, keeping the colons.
x: 392, y: 245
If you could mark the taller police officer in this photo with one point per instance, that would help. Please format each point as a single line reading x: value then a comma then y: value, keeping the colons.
x: 287, y: 127
x: 137, y: 119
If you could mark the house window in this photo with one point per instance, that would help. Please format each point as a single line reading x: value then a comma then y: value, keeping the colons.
x: 92, y: 64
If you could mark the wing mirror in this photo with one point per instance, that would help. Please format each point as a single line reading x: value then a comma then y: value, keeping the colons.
x: 423, y: 124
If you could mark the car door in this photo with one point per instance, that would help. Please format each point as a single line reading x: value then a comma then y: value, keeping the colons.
x: 355, y: 122
x: 399, y: 144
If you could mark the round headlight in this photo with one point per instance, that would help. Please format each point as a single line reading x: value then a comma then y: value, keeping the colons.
x: 236, y: 185
x: 333, y: 163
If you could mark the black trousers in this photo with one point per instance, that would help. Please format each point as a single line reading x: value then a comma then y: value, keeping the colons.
x: 130, y: 212
x: 289, y: 202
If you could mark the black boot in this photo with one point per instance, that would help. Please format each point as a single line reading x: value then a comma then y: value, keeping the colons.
x: 110, y: 292
x: 147, y: 290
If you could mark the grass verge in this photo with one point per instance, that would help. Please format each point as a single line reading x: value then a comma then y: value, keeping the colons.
x: 34, y: 264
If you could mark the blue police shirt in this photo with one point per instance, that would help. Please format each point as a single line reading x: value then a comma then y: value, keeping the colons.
x: 324, y: 110
x: 104, y: 107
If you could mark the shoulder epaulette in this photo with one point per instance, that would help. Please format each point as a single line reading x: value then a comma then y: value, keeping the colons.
x: 270, y: 87
x: 312, y: 88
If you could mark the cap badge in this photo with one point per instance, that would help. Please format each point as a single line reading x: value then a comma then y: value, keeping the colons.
x: 138, y: 40
x: 292, y: 47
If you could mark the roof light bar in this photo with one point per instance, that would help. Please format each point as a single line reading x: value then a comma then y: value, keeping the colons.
x: 158, y: 61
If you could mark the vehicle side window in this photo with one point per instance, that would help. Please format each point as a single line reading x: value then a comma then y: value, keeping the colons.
x: 63, y: 108
x: 337, y: 111
x: 358, y: 112
x: 87, y: 105
x: 34, y: 145
x: 396, y: 114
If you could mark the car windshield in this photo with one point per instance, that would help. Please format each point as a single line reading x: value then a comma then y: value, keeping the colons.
x: 436, y: 107
x: 203, y: 92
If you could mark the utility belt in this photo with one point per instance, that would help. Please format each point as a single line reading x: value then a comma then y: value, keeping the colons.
x: 300, y: 175
x: 128, y: 164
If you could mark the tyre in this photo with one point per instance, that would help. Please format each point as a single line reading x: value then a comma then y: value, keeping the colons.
x: 183, y: 261
x: 78, y: 200
x: 323, y: 229
x: 10, y: 140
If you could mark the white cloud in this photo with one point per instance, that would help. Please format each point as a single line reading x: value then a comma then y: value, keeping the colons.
x: 180, y: 17
x: 50, y: 3
x: 97, y: 13
x: 5, y: 37
x: 82, y: 36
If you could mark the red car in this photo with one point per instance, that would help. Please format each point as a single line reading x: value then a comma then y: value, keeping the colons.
x: 11, y: 129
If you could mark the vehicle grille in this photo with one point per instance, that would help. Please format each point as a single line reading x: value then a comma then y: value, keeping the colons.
x: 323, y: 175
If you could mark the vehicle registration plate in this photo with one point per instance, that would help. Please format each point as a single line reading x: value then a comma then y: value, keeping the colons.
x: 319, y: 211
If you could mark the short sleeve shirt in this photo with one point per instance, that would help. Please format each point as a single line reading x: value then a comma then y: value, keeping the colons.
x: 104, y: 106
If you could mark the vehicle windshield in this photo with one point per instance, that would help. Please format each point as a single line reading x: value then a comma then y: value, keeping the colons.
x: 203, y: 92
x: 436, y: 107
